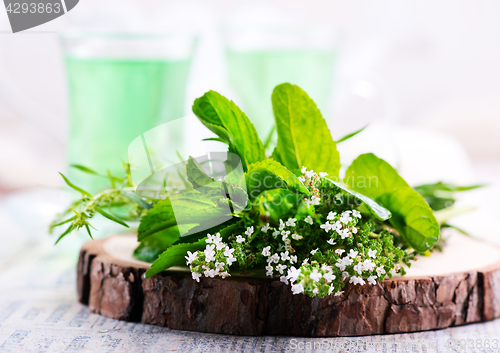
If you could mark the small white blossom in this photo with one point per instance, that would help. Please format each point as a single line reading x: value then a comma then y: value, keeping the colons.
x: 210, y: 273
x: 249, y: 231
x: 293, y: 274
x: 265, y: 228
x: 329, y: 276
x: 342, y: 263
x: 240, y: 239
x: 269, y: 270
x: 339, y: 252
x: 345, y: 218
x: 191, y: 257
x: 380, y: 271
x: 315, y: 291
x: 275, y: 258
x: 314, y: 251
x: 353, y: 253
x: 331, y: 242
x: 291, y: 222
x: 303, y: 170
x: 344, y: 233
x: 327, y: 226
x: 224, y: 274
x: 371, y: 280
x: 285, y: 256
x: 315, y: 275
x: 266, y: 251
x: 276, y: 233
x: 372, y: 253
x: 310, y: 174
x: 331, y: 216
x: 280, y: 268
x: 368, y: 265
x: 345, y: 275
x: 285, y: 234
x: 282, y: 225
x: 219, y: 266
x: 297, y: 288
x: 210, y: 253
x: 323, y: 174
x: 339, y: 293
x: 309, y: 220
x: 354, y: 230
x: 357, y: 280
x: 358, y: 268
x: 293, y: 259
x: 356, y: 214
x: 284, y: 280
x: 196, y: 276
x: 302, y: 179
x: 296, y: 237
x: 217, y: 239
x: 397, y: 267
x: 331, y: 289
x: 305, y: 261
x: 209, y: 238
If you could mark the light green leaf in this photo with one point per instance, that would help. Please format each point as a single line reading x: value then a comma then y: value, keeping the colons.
x: 153, y: 246
x: 174, y: 256
x: 352, y: 134
x: 225, y: 119
x: 269, y: 174
x: 110, y: 216
x: 196, y: 175
x: 281, y: 204
x: 303, y: 136
x: 380, y: 212
x: 411, y: 215
x: 74, y: 187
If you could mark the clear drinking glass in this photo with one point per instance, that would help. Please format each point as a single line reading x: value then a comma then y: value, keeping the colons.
x: 261, y: 57
x: 120, y: 86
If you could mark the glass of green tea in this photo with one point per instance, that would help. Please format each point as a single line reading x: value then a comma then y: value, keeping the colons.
x: 261, y: 57
x: 120, y: 86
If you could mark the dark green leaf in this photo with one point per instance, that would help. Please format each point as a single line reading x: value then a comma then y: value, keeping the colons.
x: 153, y: 246
x: 110, y: 216
x: 280, y: 204
x: 227, y: 121
x: 303, y: 136
x: 74, y: 187
x: 352, y: 134
x: 174, y: 256
x: 411, y: 215
x: 197, y: 233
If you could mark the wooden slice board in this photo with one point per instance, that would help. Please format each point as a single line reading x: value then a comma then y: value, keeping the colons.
x: 456, y: 287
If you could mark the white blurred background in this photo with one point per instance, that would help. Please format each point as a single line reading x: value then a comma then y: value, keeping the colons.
x: 431, y: 68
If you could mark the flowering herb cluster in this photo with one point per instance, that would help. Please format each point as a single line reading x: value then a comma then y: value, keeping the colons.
x: 285, y: 216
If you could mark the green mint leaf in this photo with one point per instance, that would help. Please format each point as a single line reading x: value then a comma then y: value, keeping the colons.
x: 110, y: 216
x: 74, y: 187
x: 352, y: 134
x: 280, y: 204
x: 66, y: 232
x: 84, y: 169
x: 269, y: 174
x: 411, y: 215
x: 174, y: 256
x: 153, y: 246
x: 195, y: 174
x: 303, y: 136
x: 227, y: 121
x: 379, y: 211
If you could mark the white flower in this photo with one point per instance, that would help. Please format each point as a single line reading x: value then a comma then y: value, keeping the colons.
x: 265, y: 228
x: 303, y: 170
x: 219, y: 266
x: 191, y: 257
x: 331, y: 242
x: 331, y: 216
x: 297, y: 288
x: 249, y: 231
x: 230, y: 260
x: 354, y: 230
x: 291, y: 222
x: 217, y: 239
x: 210, y: 253
x: 331, y: 289
x: 224, y: 274
x: 337, y: 226
x: 315, y: 275
x: 269, y: 270
x: 356, y: 214
x: 372, y: 253
x: 323, y: 174
x: 329, y: 276
x: 345, y: 275
x: 276, y: 233
x: 353, y: 253
x: 196, y: 276
x: 284, y: 256
x: 310, y: 174
x: 339, y: 293
x: 302, y: 179
x: 380, y: 271
x: 315, y: 290
x: 314, y: 251
x: 358, y: 268
x: 397, y: 267
x: 327, y: 226
x: 266, y: 251
x: 357, y: 280
x: 309, y: 220
x: 228, y: 252
x: 280, y: 268
x: 284, y: 280
x: 293, y: 259
x: 293, y: 274
x: 240, y: 239
x: 282, y: 225
x: 342, y: 263
x: 315, y: 200
x: 210, y: 273
x: 209, y: 238
x: 285, y: 234
x: 305, y: 261
x: 345, y: 218
x: 344, y: 233
x: 339, y: 252
x: 371, y: 280
x: 296, y: 236
x: 368, y: 265
x: 275, y: 258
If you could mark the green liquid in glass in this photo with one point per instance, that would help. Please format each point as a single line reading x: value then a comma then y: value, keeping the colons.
x: 254, y: 74
x: 113, y: 101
